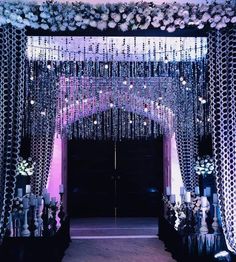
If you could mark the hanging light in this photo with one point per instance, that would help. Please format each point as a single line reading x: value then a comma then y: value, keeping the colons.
x: 131, y: 86
x: 106, y: 66
x: 32, y: 102
x: 125, y: 82
x: 95, y: 122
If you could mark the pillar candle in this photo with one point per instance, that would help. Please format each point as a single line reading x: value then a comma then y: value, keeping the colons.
x: 20, y: 192
x: 182, y: 190
x: 197, y: 190
x: 27, y: 189
x: 188, y: 197
x: 203, y: 201
x: 61, y: 189
x: 47, y: 198
x: 172, y: 199
x: 215, y: 198
x: 25, y: 202
x: 39, y: 201
x: 168, y: 191
x: 208, y: 191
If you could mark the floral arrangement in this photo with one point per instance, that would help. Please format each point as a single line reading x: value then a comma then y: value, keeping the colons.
x: 196, y: 205
x: 25, y: 168
x: 55, y: 16
x: 204, y: 165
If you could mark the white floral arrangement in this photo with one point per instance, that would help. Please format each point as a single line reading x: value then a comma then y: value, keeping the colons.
x: 204, y: 165
x: 25, y: 168
x: 55, y: 16
x: 196, y: 205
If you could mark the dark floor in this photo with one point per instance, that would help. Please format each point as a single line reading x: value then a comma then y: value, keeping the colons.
x: 116, y: 240
x: 109, y: 227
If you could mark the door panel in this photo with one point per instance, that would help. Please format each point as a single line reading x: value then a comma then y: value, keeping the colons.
x: 139, y: 166
x: 90, y: 170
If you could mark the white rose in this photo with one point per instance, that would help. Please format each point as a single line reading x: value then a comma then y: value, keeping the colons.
x: 233, y: 19
x: 102, y: 25
x: 104, y: 17
x: 112, y: 24
x: 123, y: 27
x: 78, y: 18
x: 93, y: 23
x: 171, y: 29
x: 217, y: 18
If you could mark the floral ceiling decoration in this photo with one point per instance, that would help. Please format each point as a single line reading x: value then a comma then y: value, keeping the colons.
x: 56, y: 16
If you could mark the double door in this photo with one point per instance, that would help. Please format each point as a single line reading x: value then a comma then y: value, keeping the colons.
x: 114, y: 179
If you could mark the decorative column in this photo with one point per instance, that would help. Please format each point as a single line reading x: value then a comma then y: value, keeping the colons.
x: 12, y: 80
x: 222, y: 85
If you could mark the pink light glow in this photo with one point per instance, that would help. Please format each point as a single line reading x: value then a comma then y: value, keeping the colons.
x: 55, y: 175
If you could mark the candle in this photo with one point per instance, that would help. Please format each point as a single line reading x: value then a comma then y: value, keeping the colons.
x: 32, y: 200
x: 172, y: 199
x: 61, y: 189
x: 208, y: 191
x: 47, y: 198
x: 20, y: 192
x: 168, y: 191
x: 182, y: 191
x: 39, y: 201
x: 203, y: 201
x: 215, y: 198
x: 27, y: 189
x: 25, y: 203
x: 188, y: 197
x: 197, y: 190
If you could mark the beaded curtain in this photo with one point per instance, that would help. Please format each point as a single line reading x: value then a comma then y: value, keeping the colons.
x: 12, y: 65
x: 222, y: 85
x: 42, y: 118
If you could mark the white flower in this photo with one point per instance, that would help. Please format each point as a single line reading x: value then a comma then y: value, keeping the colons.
x: 171, y: 29
x: 129, y: 17
x: 104, y: 17
x: 212, y: 25
x: 146, y: 12
x: 93, y: 23
x: 147, y: 23
x: 123, y: 27
x: 185, y: 13
x: 44, y: 26
x: 233, y: 19
x: 156, y: 24
x: 163, y: 28
x: 112, y: 24
x: 177, y: 21
x: 102, y: 25
x: 121, y: 8
x: 138, y: 18
x: 217, y: 18
x: 78, y: 18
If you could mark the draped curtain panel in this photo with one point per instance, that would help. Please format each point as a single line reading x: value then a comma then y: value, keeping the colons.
x: 42, y: 87
x: 186, y: 139
x: 222, y: 87
x: 12, y: 76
